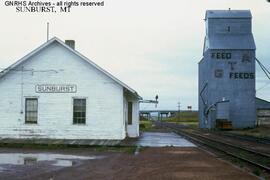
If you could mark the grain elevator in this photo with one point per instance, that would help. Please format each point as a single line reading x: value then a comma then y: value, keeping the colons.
x: 227, y: 71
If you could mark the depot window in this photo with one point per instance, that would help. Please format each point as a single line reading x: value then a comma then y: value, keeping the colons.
x: 129, y: 113
x: 31, y: 110
x: 79, y: 111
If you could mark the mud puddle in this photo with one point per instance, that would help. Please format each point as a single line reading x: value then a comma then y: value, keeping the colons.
x: 27, y: 159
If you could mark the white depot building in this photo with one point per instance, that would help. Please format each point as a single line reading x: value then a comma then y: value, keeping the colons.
x: 55, y: 92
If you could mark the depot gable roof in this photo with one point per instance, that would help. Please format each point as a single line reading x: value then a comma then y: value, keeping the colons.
x: 55, y: 39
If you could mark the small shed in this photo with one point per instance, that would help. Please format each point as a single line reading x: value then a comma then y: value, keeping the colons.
x: 263, y: 111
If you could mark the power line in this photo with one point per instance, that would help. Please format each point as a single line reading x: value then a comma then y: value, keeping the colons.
x: 178, y: 114
x: 48, y: 30
x: 266, y: 84
x: 265, y: 70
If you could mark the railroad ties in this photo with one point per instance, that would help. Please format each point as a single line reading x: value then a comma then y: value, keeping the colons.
x: 255, y: 157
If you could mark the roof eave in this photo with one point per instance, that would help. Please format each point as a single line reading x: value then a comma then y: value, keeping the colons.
x: 32, y: 53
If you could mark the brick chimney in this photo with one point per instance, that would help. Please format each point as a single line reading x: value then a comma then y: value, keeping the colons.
x: 70, y: 43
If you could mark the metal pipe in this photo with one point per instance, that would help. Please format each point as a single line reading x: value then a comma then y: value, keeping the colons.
x: 48, y: 29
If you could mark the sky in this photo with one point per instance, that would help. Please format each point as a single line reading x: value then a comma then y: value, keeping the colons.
x: 154, y: 46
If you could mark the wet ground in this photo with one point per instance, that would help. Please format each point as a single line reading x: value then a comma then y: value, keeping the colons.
x: 156, y: 139
x: 25, y: 159
x: 167, y: 162
x: 150, y: 163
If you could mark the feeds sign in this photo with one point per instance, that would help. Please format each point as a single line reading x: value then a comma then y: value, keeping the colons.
x: 56, y: 88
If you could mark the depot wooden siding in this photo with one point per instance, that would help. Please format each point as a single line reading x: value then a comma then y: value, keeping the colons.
x: 105, y: 99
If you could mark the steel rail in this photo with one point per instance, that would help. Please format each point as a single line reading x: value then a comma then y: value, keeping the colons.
x: 231, y: 145
x: 189, y: 136
x: 262, y: 141
x: 235, y: 146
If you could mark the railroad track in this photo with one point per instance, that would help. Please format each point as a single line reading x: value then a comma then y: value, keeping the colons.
x: 247, y: 138
x: 245, y: 143
x: 249, y: 156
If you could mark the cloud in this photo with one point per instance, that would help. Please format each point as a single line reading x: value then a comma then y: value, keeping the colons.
x: 153, y: 46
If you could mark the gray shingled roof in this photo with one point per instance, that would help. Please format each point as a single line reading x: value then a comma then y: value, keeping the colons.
x: 237, y: 41
x: 262, y: 104
x: 228, y: 14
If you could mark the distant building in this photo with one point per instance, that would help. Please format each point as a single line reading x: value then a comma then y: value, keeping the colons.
x: 263, y: 112
x: 227, y: 70
x: 55, y: 92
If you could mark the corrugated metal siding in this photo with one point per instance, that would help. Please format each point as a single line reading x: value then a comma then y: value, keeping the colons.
x: 228, y: 14
x: 263, y: 112
x: 232, y: 42
x: 216, y: 71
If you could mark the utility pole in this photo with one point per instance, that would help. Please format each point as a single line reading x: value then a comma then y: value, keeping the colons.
x: 178, y: 114
x: 48, y: 30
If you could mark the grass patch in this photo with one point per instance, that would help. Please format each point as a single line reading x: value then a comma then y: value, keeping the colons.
x: 190, y: 124
x: 146, y: 126
x: 262, y: 131
x: 33, y: 146
x: 124, y: 149
x: 187, y: 118
x: 257, y: 172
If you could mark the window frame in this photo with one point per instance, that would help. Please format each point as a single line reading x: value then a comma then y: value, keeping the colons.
x: 130, y: 113
x: 85, y: 110
x: 25, y: 111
